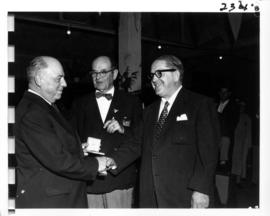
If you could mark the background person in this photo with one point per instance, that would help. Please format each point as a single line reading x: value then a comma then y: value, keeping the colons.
x: 228, y: 115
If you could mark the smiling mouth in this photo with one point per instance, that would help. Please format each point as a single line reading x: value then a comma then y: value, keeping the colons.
x: 156, y: 85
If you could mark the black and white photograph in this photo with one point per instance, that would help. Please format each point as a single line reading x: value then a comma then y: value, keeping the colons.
x: 144, y: 111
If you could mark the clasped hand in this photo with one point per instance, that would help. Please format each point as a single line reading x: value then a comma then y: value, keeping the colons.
x: 113, y: 125
x: 105, y: 164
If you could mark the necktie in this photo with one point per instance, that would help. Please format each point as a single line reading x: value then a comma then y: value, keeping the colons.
x: 161, y: 121
x: 107, y: 96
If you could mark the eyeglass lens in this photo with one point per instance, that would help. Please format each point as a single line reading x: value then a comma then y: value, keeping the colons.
x: 158, y: 73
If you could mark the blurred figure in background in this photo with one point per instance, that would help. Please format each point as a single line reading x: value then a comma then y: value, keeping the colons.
x: 228, y: 117
x: 242, y: 144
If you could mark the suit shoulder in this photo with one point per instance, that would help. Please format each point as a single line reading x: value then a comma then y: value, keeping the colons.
x: 198, y: 97
x: 30, y: 111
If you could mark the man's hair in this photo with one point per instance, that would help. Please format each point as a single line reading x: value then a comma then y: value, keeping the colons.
x: 113, y: 62
x: 174, y: 62
x: 35, y: 66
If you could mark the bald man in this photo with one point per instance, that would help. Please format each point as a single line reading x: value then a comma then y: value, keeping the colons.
x: 109, y: 115
x: 51, y: 168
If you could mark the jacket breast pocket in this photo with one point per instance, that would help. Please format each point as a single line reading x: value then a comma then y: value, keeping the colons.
x: 183, y: 133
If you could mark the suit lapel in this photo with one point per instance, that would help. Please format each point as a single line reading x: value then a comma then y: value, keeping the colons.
x: 114, y: 107
x: 151, y: 122
x: 177, y: 107
x: 61, y: 120
x: 93, y: 111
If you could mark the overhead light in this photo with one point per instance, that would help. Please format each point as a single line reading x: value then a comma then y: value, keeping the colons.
x: 220, y: 57
x: 159, y: 47
x: 68, y: 32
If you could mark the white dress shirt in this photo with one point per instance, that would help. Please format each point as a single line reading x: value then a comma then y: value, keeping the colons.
x: 222, y: 106
x: 104, y: 104
x: 170, y: 100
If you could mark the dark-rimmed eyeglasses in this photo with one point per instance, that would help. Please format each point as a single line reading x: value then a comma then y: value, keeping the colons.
x: 100, y: 73
x: 158, y: 73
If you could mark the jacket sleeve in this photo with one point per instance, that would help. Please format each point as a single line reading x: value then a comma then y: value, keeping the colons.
x: 39, y: 134
x: 207, y: 148
x: 130, y: 147
x: 129, y: 150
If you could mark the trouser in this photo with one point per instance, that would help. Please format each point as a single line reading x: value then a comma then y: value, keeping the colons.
x: 224, y: 148
x: 115, y: 199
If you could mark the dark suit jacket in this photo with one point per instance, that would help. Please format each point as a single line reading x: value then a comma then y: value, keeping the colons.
x: 127, y: 110
x: 183, y: 160
x: 52, y: 170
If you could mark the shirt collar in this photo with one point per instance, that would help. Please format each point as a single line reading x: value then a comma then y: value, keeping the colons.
x: 225, y: 102
x: 34, y: 92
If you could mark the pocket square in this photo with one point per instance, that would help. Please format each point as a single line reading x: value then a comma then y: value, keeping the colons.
x: 182, y: 117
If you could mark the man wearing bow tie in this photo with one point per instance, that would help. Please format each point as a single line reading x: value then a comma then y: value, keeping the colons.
x: 177, y: 142
x: 109, y: 115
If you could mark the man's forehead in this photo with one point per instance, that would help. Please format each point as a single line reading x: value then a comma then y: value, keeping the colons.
x: 101, y: 63
x: 55, y: 70
x: 159, y: 64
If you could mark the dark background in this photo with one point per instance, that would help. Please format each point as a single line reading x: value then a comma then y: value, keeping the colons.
x: 198, y: 39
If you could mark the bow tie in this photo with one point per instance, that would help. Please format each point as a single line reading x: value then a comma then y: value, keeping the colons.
x: 107, y: 96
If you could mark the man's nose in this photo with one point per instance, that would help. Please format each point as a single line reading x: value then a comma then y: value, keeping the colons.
x: 154, y: 78
x: 64, y: 83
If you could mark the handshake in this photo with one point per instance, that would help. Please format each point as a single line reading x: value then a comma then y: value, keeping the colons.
x: 105, y: 164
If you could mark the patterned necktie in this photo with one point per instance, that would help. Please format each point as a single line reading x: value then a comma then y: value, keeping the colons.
x: 161, y: 121
x: 107, y: 96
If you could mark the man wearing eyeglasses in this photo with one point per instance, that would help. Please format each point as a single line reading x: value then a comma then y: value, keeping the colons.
x: 108, y: 115
x: 177, y: 141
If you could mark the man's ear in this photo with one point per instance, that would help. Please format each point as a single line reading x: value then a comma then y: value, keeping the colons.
x: 177, y: 75
x: 115, y: 73
x: 37, y: 79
